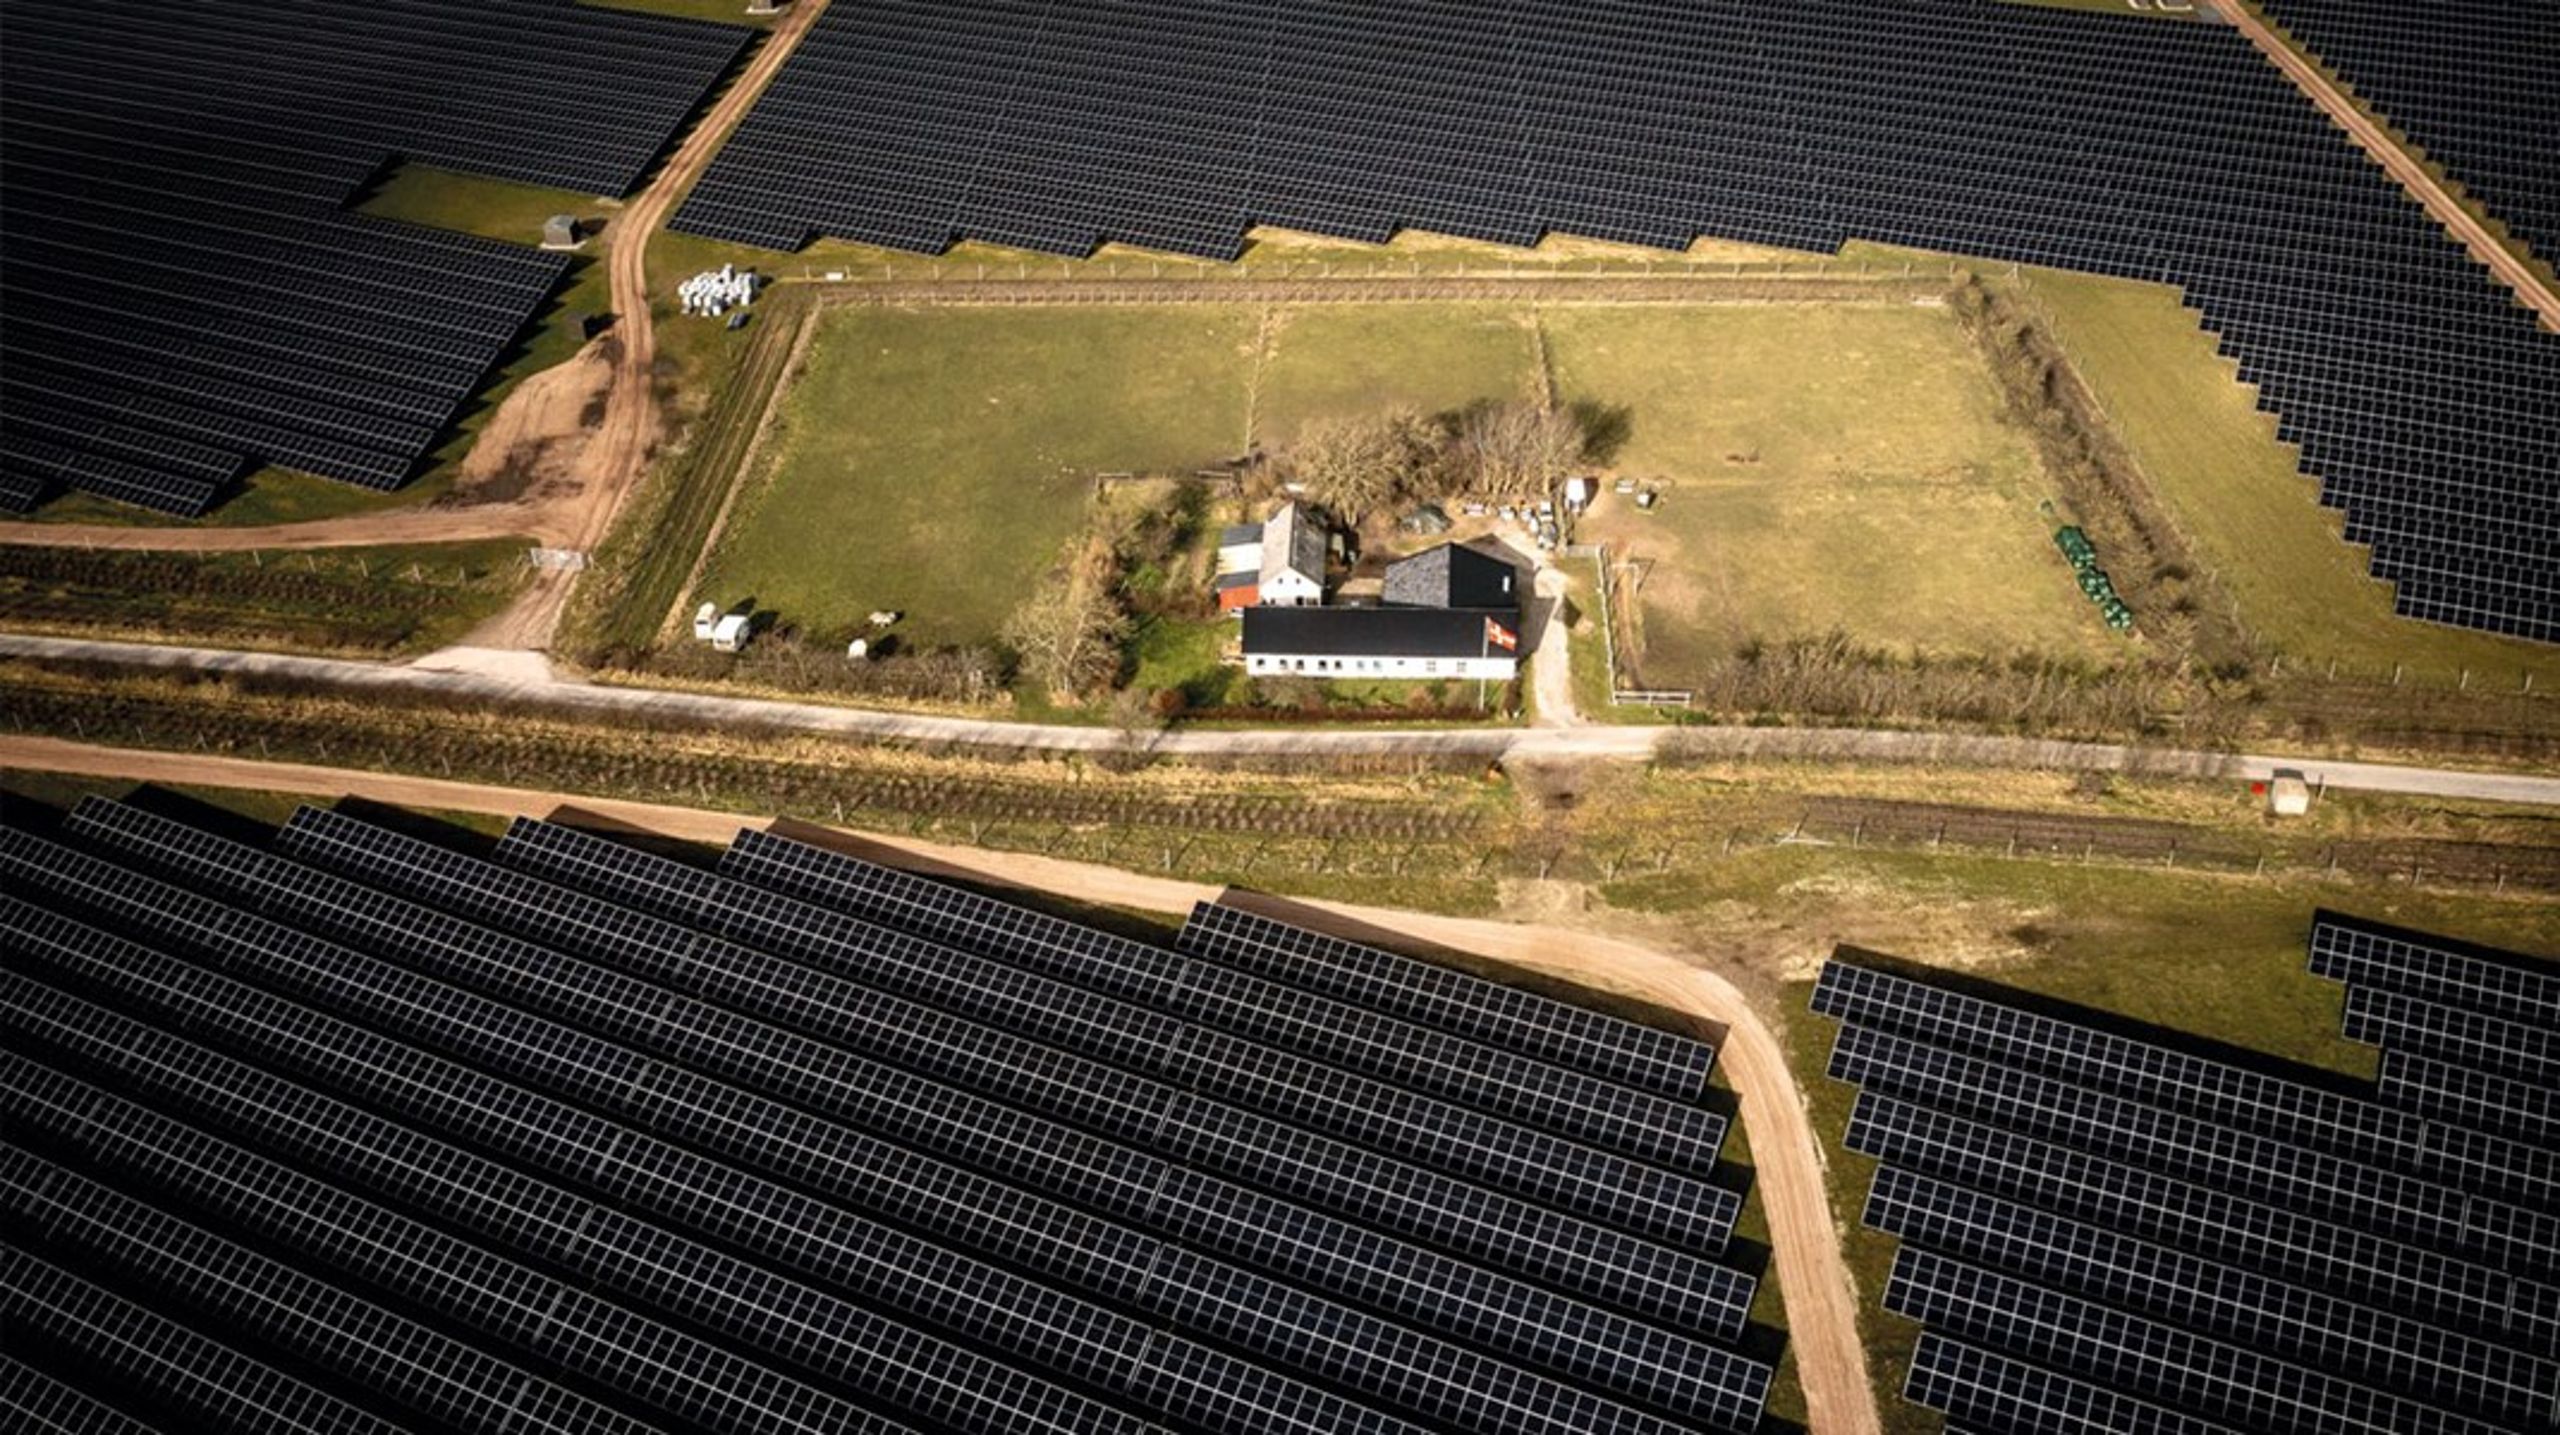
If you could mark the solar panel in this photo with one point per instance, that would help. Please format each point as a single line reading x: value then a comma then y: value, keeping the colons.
x: 188, y: 296
x: 2294, y: 1322
x: 2520, y: 1110
x: 2148, y: 1072
x: 1640, y: 1199
x: 2000, y: 1393
x: 48, y: 1306
x: 2506, y: 985
x: 1500, y: 1016
x: 2466, y: 1038
x: 1521, y: 1021
x: 2099, y: 1232
x: 1050, y: 982
x: 376, y: 1070
x: 2467, y: 88
x: 2277, y: 1240
x: 1565, y: 1254
x: 322, y: 1323
x: 2383, y: 1202
x: 2149, y: 1358
x: 785, y: 1322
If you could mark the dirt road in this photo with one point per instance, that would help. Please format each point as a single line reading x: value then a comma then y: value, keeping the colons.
x: 2395, y: 161
x: 1805, y: 1246
x: 1551, y: 652
x: 615, y: 460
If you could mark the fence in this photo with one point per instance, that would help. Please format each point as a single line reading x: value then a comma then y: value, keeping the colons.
x: 1250, y: 271
x: 1636, y: 697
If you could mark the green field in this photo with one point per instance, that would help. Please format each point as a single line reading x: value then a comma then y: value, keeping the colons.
x: 936, y: 462
x: 1356, y: 358
x: 1823, y: 468
x: 2234, y: 489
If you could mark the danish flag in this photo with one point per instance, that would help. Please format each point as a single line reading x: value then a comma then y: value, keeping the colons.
x: 1500, y: 636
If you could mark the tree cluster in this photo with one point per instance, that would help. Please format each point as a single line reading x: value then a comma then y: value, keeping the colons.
x: 1502, y: 451
x: 1068, y: 634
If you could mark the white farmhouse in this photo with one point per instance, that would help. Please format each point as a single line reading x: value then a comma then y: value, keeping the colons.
x: 1278, y: 563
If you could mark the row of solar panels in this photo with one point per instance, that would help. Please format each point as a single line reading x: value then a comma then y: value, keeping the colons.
x: 187, y: 300
x: 2110, y: 144
x: 2101, y: 1232
x: 2468, y: 1034
x: 607, y: 1139
x: 2467, y: 81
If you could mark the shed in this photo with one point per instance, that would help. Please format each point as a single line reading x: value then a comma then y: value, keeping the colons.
x: 560, y: 231
x: 730, y: 633
x: 1238, y: 590
x: 704, y: 619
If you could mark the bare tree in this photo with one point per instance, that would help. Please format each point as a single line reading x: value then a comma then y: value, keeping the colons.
x: 1069, y: 632
x: 1356, y: 465
x: 1514, y: 451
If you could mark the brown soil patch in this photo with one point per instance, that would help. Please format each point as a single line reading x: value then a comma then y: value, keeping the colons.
x: 530, y: 451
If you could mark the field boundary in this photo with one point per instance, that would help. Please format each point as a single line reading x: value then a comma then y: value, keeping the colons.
x: 1598, y: 553
x: 742, y: 472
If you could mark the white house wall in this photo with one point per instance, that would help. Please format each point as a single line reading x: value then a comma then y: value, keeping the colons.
x: 1500, y: 669
x: 1291, y: 589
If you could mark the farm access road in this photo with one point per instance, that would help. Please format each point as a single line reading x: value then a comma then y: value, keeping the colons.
x: 530, y: 684
x: 1813, y: 1277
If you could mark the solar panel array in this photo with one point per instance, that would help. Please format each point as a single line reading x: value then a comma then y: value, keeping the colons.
x: 2470, y: 1035
x: 2468, y: 81
x: 351, y: 1130
x: 2104, y: 1233
x: 2413, y: 384
x: 186, y: 298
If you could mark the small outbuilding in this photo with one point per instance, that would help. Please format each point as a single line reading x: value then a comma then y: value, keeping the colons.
x: 560, y: 231
x: 2288, y: 795
x: 730, y: 633
x: 705, y: 618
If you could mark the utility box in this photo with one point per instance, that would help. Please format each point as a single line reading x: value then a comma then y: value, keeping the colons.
x: 560, y: 231
x: 2288, y: 795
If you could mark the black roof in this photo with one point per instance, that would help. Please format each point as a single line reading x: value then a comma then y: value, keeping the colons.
x: 603, y: 1141
x: 1374, y: 632
x: 1451, y: 576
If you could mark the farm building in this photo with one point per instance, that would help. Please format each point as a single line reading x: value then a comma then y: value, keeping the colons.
x: 1451, y: 576
x: 1446, y: 612
x: 1278, y: 563
x: 1382, y: 643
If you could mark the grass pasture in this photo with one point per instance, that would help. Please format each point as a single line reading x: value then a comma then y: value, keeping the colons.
x: 1823, y: 468
x: 2235, y: 490
x: 1330, y: 360
x: 937, y: 461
